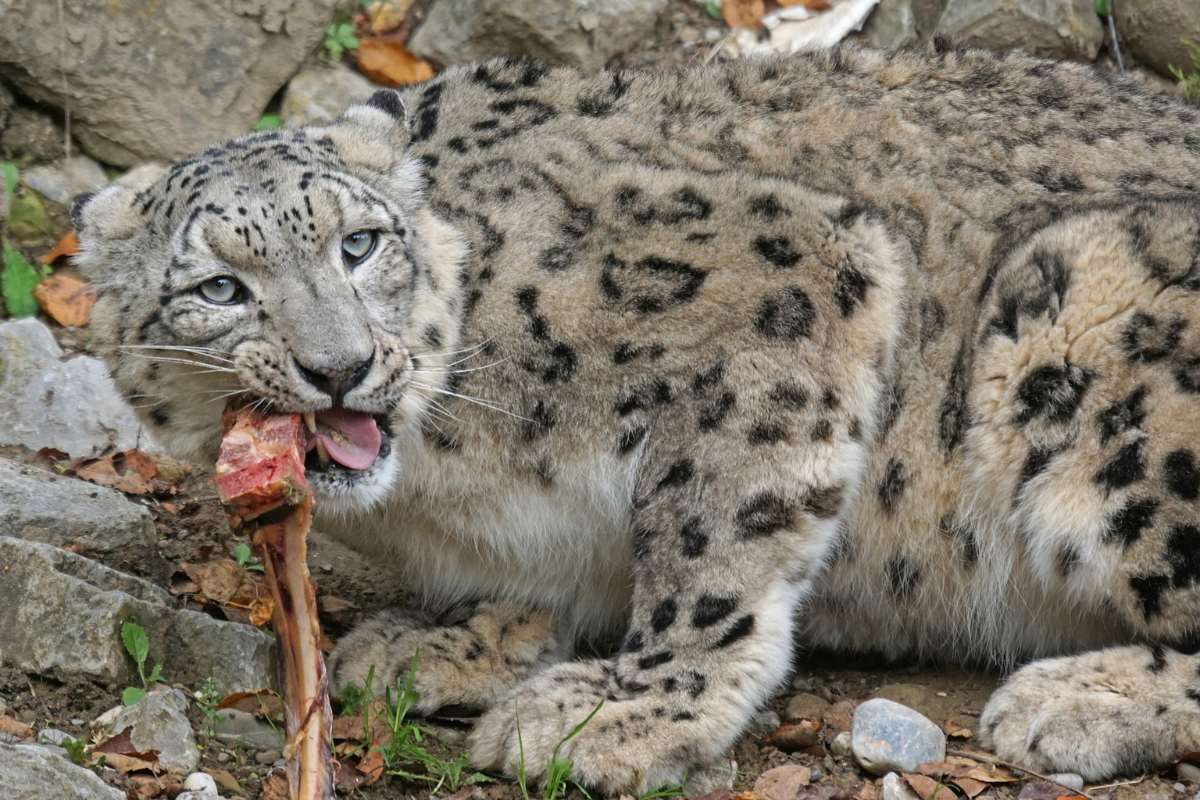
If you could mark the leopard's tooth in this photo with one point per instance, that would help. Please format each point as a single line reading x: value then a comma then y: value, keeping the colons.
x: 322, y: 453
x: 310, y: 421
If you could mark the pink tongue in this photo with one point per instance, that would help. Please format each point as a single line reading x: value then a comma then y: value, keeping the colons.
x: 351, y: 439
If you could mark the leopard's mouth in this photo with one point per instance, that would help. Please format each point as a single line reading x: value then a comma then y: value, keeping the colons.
x: 344, y: 446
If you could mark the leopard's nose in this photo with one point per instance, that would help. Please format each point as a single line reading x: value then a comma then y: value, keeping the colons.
x: 337, y: 381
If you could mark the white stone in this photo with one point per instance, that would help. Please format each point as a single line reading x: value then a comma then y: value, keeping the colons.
x: 887, y: 736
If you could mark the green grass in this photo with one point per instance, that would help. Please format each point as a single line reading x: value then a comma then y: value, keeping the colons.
x: 1189, y: 82
x: 558, y: 769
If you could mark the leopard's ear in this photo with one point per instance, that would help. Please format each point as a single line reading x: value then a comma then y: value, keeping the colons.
x: 110, y: 213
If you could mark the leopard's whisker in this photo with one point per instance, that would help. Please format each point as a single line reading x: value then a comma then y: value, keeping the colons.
x: 476, y: 400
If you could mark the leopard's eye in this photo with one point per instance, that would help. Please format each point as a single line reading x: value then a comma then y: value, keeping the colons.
x: 222, y: 290
x: 357, y: 246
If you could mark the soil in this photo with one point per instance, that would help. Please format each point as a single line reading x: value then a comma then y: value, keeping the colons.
x: 193, y: 523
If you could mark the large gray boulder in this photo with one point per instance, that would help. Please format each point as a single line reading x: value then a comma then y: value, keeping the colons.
x: 158, y: 721
x: 318, y: 94
x: 31, y: 772
x: 1049, y: 28
x: 585, y: 33
x: 61, y: 614
x: 1158, y: 31
x: 71, y: 405
x: 156, y: 80
x: 38, y: 506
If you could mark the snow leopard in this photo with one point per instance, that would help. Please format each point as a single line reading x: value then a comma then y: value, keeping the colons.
x: 661, y: 375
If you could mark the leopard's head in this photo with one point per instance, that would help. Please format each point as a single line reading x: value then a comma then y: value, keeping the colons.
x: 298, y: 269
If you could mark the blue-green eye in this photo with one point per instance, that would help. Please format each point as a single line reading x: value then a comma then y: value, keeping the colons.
x: 222, y: 290
x: 357, y: 247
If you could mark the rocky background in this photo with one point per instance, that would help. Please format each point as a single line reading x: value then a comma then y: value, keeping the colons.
x: 133, y: 658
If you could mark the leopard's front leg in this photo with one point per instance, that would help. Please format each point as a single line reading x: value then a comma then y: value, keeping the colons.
x: 728, y: 534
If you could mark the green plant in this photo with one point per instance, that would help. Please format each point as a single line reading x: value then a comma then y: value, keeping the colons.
x: 137, y: 644
x: 207, y: 697
x: 245, y: 559
x: 339, y: 37
x: 268, y: 122
x: 1189, y: 82
x: 17, y: 281
x: 663, y: 792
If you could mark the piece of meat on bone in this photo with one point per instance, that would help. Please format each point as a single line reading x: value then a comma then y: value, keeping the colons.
x: 260, y: 478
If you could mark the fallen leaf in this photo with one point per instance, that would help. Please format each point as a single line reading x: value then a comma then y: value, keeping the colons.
x: 385, y: 16
x: 955, y: 731
x: 131, y: 472
x: 782, y: 783
x: 386, y: 61
x: 371, y: 765
x: 261, y: 611
x: 811, y: 5
x: 224, y: 779
x: 346, y: 777
x: 332, y: 604
x: 68, y: 245
x: 263, y: 703
x: 125, y: 764
x: 791, y: 737
x: 275, y: 787
x: 990, y: 774
x: 219, y: 580
x: 927, y: 788
x: 66, y: 299
x: 14, y: 727
x: 969, y: 787
x: 149, y: 786
x: 743, y: 13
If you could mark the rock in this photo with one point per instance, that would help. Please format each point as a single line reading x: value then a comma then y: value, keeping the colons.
x: 159, y: 722
x: 839, y: 715
x: 896, y: 788
x: 892, y: 25
x: 1069, y: 779
x: 887, y: 736
x: 71, y: 405
x: 782, y: 783
x: 6, y: 108
x: 1188, y: 772
x: 805, y: 706
x: 763, y: 722
x: 30, y: 772
x: 319, y: 94
x: 53, y: 736
x: 1064, y: 29
x: 201, y: 783
x: 840, y: 746
x: 31, y: 135
x: 73, y: 628
x: 1158, y: 31
x: 239, y: 727
x: 266, y: 757
x: 554, y: 31
x: 159, y: 80
x: 922, y: 699
x: 197, y: 796
x: 62, y: 181
x: 39, y: 506
x: 718, y: 776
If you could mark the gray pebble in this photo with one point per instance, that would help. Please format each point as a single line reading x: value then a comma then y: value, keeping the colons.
x: 895, y: 788
x: 887, y: 736
x: 1188, y: 773
x: 267, y: 756
x: 1068, y: 779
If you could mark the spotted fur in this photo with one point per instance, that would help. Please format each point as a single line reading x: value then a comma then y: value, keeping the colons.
x: 896, y: 353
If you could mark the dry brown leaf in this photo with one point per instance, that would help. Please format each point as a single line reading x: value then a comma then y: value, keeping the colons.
x: 224, y: 779
x: 14, y: 727
x: 386, y: 61
x: 261, y: 611
x: 927, y: 788
x: 371, y: 765
x: 263, y: 703
x: 220, y: 580
x: 332, y: 604
x: 66, y: 299
x: 275, y: 787
x: 811, y: 5
x: 385, y: 16
x: 150, y: 786
x: 956, y: 731
x: 970, y: 788
x: 125, y: 764
x: 346, y: 777
x: 131, y: 472
x: 791, y: 737
x: 743, y: 13
x: 68, y: 245
x: 990, y: 774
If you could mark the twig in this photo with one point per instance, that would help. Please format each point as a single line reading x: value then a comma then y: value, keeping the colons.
x: 993, y: 760
x: 1130, y: 782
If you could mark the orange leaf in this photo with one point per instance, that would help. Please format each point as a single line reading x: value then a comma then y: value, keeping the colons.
x: 811, y: 5
x: 372, y: 764
x: 129, y: 471
x: 927, y: 788
x: 264, y: 703
x: 14, y: 727
x: 66, y: 299
x: 261, y: 611
x: 387, y: 15
x: 387, y: 61
x: 68, y: 245
x: 742, y: 13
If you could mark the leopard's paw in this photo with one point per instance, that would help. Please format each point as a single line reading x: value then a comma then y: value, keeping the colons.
x: 1107, y: 713
x: 633, y: 742
x: 469, y: 665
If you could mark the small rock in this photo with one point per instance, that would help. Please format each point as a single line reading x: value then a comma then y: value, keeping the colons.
x: 887, y: 736
x: 839, y: 715
x: 718, y: 776
x: 1188, y: 772
x: 1061, y: 29
x: 319, y: 94
x: 782, y: 783
x: 265, y: 757
x: 61, y: 181
x: 54, y: 737
x: 239, y: 727
x: 1068, y: 779
x: 40, y: 507
x: 840, y: 746
x: 31, y: 772
x: 76, y: 721
x: 805, y: 706
x: 69, y: 405
x: 689, y: 35
x: 159, y: 722
x: 892, y: 25
x: 763, y: 722
x: 223, y: 757
x: 1158, y: 32
x: 197, y: 796
x: 457, y: 31
x: 201, y: 783
x: 32, y: 135
x: 896, y: 788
